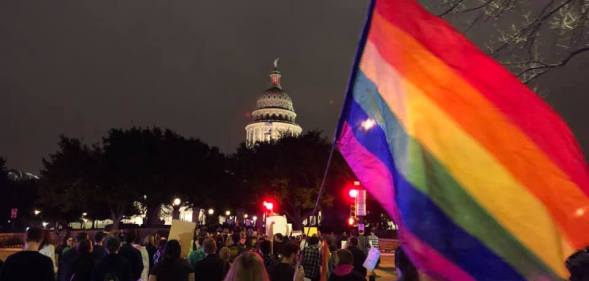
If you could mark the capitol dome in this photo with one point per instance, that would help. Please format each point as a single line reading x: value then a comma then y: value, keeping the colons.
x: 275, y: 97
x: 274, y: 115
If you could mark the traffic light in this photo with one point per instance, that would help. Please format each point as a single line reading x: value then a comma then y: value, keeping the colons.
x: 268, y: 206
x: 353, y: 193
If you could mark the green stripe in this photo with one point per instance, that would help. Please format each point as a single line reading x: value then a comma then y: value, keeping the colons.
x: 430, y: 177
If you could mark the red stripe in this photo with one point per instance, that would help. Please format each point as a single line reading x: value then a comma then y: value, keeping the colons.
x: 519, y: 104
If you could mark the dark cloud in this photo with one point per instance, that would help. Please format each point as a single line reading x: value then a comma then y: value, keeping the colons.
x: 80, y: 67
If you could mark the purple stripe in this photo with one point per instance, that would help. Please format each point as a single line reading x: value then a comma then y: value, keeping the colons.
x: 375, y: 175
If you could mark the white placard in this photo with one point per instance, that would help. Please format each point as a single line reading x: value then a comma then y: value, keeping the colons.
x: 371, y: 259
x: 275, y: 225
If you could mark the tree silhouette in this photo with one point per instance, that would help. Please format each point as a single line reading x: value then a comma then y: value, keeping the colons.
x: 291, y: 170
x: 150, y: 166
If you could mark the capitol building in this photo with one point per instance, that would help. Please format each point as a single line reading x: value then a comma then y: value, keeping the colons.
x: 274, y: 116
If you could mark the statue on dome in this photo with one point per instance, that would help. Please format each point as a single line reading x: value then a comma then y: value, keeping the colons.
x: 276, y: 63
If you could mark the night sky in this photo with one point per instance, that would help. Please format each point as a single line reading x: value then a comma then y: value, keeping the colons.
x: 81, y: 67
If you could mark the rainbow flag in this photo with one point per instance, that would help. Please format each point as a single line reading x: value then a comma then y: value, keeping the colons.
x: 485, y: 181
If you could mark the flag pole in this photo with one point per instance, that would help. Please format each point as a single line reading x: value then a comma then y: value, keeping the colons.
x: 357, y: 57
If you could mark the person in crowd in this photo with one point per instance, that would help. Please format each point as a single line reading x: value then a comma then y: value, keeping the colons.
x: 303, y: 242
x: 171, y: 266
x: 363, y: 243
x: 343, y: 239
x: 578, y: 265
x: 132, y: 255
x: 312, y: 259
x: 279, y: 240
x: 197, y: 252
x: 359, y: 256
x: 265, y: 249
x: 235, y: 247
x: 144, y: 259
x: 344, y: 267
x: 48, y: 249
x: 373, y: 239
x: 331, y: 261
x: 159, y: 253
x: 285, y: 269
x: 98, y: 251
x: 248, y: 266
x: 113, y: 266
x: 68, y: 244
x: 211, y: 268
x: 149, y: 243
x: 225, y: 256
x: 84, y: 263
x: 67, y: 258
x: 28, y: 264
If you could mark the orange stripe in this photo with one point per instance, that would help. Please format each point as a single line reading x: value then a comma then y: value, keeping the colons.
x: 484, y: 122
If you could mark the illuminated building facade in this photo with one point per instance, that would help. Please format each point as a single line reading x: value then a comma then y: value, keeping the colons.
x: 274, y: 116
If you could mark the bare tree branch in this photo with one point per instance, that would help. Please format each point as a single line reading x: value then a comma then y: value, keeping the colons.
x: 543, y: 68
x: 530, y: 35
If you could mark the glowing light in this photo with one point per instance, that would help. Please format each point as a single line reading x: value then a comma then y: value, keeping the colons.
x: 211, y: 211
x: 84, y: 214
x: 36, y: 212
x: 351, y: 221
x: 580, y: 212
x: 269, y: 206
x: 368, y: 124
x: 353, y: 193
x: 255, y: 218
x: 245, y: 216
x: 177, y: 202
x: 45, y: 224
x: 227, y: 213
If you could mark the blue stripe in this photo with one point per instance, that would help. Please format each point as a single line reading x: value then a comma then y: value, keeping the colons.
x: 419, y: 214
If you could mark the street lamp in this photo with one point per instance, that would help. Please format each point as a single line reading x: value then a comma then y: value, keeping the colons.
x: 176, y: 208
x: 227, y: 213
x: 255, y: 218
x: 211, y: 211
x: 45, y: 224
x: 36, y: 212
x: 84, y: 214
x: 245, y: 216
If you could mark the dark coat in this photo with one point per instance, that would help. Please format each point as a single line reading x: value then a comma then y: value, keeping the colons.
x: 134, y: 257
x: 115, y: 264
x: 211, y: 268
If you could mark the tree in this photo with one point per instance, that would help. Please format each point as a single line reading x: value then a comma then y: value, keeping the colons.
x: 150, y: 166
x: 77, y: 179
x: 160, y: 165
x: 290, y: 170
x: 529, y: 37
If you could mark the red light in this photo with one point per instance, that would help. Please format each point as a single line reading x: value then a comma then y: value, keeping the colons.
x: 269, y: 206
x: 351, y: 221
x: 353, y: 193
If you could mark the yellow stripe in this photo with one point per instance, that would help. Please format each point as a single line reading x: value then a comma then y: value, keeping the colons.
x: 487, y: 181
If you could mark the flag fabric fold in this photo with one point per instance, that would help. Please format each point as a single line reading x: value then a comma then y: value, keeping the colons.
x: 485, y: 180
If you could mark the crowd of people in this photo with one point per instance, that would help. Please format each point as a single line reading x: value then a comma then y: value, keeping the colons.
x: 227, y: 255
